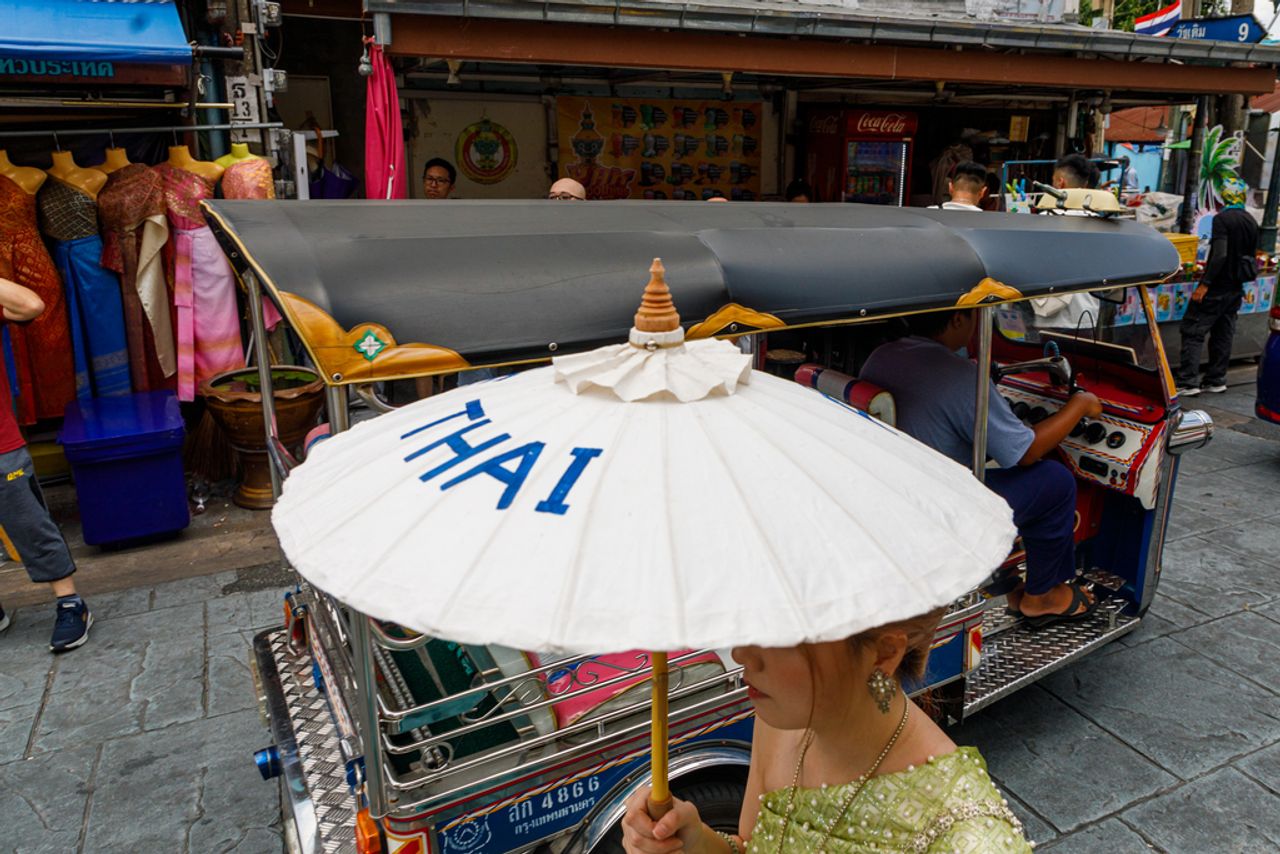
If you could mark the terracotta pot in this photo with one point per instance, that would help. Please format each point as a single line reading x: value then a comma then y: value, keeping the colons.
x: 237, y: 407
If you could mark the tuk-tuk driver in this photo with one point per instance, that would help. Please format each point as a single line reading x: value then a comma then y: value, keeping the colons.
x: 933, y: 388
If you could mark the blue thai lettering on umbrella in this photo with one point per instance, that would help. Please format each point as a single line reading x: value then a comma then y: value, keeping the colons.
x: 496, y: 466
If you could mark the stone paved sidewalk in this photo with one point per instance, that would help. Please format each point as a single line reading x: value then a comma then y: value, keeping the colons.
x: 1168, y: 740
x: 142, y: 740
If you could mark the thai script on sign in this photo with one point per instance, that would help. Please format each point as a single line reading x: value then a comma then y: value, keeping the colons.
x: 56, y: 68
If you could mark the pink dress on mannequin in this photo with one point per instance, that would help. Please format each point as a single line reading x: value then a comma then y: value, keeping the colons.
x: 204, y: 288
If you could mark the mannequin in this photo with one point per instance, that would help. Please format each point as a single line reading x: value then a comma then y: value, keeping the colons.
x: 204, y: 288
x: 26, y: 177
x: 180, y: 158
x: 88, y: 181
x: 239, y: 151
x: 117, y: 158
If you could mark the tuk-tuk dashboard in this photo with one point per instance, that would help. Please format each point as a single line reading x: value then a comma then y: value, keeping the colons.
x: 1119, y: 450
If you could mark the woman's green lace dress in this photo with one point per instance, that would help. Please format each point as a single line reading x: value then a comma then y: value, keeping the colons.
x: 948, y: 804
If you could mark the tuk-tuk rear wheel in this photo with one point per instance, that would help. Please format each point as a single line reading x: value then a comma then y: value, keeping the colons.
x: 718, y: 802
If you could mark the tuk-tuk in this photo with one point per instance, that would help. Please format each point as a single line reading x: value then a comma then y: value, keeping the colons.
x: 386, y: 740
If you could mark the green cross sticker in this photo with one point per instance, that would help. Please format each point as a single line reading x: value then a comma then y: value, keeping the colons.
x: 370, y: 345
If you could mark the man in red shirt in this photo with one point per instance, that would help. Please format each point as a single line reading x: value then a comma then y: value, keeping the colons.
x: 23, y: 513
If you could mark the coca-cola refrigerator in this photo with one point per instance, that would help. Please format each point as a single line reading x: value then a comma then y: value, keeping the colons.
x: 877, y: 156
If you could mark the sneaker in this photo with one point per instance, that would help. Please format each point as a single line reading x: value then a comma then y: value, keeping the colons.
x: 72, y: 628
x: 1189, y: 391
x: 4, y: 619
x: 1216, y: 388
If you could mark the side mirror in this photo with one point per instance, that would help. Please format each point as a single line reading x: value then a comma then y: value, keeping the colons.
x: 1193, y: 430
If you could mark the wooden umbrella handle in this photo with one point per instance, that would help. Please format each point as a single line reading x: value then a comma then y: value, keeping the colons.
x: 657, y: 809
x: 660, y: 794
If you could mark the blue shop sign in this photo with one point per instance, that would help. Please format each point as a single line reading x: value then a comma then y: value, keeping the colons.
x: 1243, y: 29
x: 82, y: 38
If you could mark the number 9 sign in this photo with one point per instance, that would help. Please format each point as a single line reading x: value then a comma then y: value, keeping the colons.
x: 1243, y: 31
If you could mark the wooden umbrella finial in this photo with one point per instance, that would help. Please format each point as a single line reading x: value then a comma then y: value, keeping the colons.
x: 657, y: 312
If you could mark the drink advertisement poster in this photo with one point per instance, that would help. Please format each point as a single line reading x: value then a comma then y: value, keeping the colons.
x: 652, y: 148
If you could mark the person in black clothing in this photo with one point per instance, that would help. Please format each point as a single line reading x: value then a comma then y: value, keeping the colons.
x: 1216, y: 301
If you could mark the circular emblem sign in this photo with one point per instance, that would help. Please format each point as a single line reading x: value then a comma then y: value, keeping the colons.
x: 486, y: 152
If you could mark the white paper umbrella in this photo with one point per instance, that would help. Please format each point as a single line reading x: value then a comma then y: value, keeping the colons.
x: 649, y: 495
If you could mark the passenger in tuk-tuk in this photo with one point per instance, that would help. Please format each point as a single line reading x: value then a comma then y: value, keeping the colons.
x: 843, y: 761
x: 933, y: 388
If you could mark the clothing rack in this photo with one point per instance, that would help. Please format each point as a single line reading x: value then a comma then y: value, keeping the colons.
x: 149, y: 129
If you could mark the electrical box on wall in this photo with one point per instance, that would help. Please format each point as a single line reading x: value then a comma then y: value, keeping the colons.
x: 268, y: 13
x: 275, y: 79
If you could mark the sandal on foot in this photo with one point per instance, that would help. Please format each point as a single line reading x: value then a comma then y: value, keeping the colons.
x: 1078, y: 598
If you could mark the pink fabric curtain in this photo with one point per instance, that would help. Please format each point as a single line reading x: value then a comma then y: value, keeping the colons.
x: 384, y: 166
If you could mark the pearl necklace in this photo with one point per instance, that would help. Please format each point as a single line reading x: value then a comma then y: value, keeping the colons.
x: 854, y: 790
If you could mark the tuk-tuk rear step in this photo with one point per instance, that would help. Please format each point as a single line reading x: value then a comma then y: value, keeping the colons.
x: 324, y: 779
x: 1015, y: 656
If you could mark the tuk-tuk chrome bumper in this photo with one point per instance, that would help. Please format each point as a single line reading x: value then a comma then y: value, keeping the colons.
x: 1193, y: 429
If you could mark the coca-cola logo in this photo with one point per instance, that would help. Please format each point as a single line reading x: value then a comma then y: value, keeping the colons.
x: 824, y: 124
x: 883, y: 124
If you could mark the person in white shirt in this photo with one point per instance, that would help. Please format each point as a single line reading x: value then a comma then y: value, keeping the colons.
x: 967, y: 188
x: 1070, y: 311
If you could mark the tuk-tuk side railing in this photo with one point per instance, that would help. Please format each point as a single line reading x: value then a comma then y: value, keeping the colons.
x: 603, y: 743
x: 535, y: 682
x: 730, y: 680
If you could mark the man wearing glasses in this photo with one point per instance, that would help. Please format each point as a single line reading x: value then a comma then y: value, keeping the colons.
x: 567, y: 190
x: 438, y: 177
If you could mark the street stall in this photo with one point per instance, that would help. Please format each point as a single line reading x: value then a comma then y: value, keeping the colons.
x: 441, y: 738
x: 741, y: 98
x: 116, y: 120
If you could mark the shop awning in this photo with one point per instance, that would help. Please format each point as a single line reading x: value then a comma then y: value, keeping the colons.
x: 870, y: 23
x: 82, y: 31
x: 1078, y: 60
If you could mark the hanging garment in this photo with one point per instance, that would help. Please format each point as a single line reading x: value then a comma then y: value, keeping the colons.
x: 248, y: 179
x: 384, y: 169
x: 70, y: 217
x: 252, y: 179
x: 204, y: 288
x: 134, y: 231
x: 42, y: 348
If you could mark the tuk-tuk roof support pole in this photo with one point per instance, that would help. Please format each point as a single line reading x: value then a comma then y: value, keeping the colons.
x: 984, y: 393
x: 367, y: 710
x: 335, y: 399
x: 262, y: 356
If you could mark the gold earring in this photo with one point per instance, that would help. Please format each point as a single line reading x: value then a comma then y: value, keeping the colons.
x: 883, y: 689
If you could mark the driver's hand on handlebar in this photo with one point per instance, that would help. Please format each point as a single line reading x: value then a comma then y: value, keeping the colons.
x: 1092, y: 406
x: 681, y: 829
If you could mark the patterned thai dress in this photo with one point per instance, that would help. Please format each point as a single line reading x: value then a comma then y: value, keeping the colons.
x: 252, y: 179
x: 248, y: 179
x: 204, y: 288
x: 42, y: 362
x: 948, y: 804
x: 69, y: 216
x: 135, y: 231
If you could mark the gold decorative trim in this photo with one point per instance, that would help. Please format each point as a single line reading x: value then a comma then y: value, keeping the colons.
x: 988, y: 291
x: 730, y: 314
x: 341, y: 361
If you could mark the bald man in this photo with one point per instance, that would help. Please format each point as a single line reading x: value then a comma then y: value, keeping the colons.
x: 567, y: 190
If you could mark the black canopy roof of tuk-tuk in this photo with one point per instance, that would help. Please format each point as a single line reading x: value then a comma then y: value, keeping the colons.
x: 495, y: 280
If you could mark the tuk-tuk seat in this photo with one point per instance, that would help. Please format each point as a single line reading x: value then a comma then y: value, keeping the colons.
x: 860, y: 394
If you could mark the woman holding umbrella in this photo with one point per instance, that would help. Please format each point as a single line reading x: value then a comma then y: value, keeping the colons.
x: 844, y: 761
x: 655, y: 461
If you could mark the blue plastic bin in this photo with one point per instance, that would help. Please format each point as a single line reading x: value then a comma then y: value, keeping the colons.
x: 126, y: 460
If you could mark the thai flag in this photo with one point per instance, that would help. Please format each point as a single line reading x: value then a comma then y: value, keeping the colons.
x: 1159, y: 22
